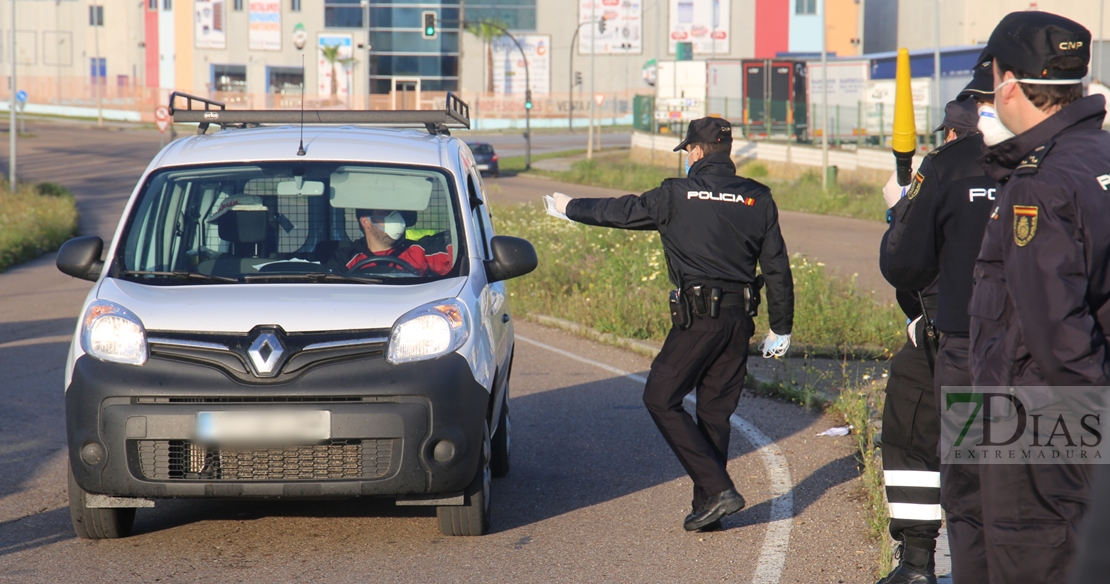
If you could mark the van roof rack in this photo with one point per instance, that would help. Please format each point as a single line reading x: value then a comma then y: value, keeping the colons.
x: 456, y: 114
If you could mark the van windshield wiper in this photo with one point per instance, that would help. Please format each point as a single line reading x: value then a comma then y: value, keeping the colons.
x: 182, y: 275
x: 311, y: 277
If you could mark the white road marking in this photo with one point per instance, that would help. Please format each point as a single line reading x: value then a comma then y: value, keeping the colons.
x: 772, y: 558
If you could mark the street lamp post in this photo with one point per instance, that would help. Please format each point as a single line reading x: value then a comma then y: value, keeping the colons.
x: 824, y: 98
x: 11, y: 111
x: 570, y: 88
x: 527, y: 93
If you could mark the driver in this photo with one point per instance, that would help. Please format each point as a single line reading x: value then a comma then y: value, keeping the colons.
x: 384, y: 236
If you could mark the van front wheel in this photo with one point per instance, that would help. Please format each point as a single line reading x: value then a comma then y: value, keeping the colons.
x: 472, y: 517
x: 97, y: 523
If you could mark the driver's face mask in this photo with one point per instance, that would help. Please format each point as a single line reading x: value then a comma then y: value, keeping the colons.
x: 393, y: 224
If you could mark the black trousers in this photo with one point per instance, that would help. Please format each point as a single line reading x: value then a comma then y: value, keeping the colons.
x: 1009, y: 522
x: 712, y: 356
x: 911, y: 430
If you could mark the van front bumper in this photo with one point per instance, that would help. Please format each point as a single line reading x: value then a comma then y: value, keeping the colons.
x: 414, y: 429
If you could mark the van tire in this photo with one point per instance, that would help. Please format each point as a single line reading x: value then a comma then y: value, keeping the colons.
x: 96, y: 523
x: 471, y: 518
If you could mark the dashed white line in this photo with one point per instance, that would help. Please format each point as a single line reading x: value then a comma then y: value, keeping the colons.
x: 772, y: 558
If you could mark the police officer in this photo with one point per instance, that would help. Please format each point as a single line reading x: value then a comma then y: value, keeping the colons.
x: 1039, y: 311
x: 936, y: 226
x: 714, y: 226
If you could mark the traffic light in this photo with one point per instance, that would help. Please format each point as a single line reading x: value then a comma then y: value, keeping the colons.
x: 429, y: 18
x: 528, y: 99
x: 601, y: 25
x: 578, y: 78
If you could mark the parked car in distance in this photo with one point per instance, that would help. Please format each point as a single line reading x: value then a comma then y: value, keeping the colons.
x: 485, y: 158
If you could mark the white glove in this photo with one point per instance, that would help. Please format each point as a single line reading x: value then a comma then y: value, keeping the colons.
x: 893, y: 192
x: 561, y: 201
x: 774, y: 345
x: 911, y: 329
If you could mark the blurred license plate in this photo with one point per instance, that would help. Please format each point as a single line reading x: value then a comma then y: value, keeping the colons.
x: 264, y: 427
x: 483, y: 167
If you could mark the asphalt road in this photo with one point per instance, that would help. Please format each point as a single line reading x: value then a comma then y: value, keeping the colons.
x: 594, y: 494
x: 513, y: 144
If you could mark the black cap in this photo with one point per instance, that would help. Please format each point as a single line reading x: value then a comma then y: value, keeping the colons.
x: 707, y: 130
x: 961, y: 114
x: 1027, y: 41
x: 982, y: 78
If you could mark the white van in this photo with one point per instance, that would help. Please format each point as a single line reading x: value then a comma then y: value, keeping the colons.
x: 295, y: 311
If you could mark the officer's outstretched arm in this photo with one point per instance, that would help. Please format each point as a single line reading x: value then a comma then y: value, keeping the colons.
x: 642, y: 212
x: 774, y: 263
x: 1045, y: 270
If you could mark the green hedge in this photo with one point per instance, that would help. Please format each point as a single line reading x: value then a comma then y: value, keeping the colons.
x: 34, y: 220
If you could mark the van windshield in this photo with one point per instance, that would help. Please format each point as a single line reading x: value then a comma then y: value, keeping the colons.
x: 310, y: 222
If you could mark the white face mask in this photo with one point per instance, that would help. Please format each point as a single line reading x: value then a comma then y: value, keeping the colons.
x: 393, y: 225
x: 994, y: 132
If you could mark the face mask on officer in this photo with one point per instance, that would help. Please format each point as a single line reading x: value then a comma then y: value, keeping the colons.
x: 992, y: 128
x: 693, y: 155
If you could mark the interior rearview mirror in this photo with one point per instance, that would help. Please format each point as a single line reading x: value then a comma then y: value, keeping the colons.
x: 80, y: 257
x: 512, y: 257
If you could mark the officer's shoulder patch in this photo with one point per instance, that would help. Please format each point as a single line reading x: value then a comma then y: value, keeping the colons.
x: 1032, y: 161
x: 915, y: 185
x: 1025, y: 224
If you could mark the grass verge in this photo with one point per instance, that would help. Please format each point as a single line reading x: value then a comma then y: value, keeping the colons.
x: 845, y: 199
x: 859, y: 407
x: 616, y: 281
x: 34, y: 220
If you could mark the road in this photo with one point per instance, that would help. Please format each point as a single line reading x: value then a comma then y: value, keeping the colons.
x: 594, y: 494
x: 512, y: 143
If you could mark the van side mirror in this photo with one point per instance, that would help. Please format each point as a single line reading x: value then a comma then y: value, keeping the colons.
x: 80, y: 257
x: 512, y: 257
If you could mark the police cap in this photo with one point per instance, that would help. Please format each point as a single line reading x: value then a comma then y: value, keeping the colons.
x: 1028, y: 41
x: 707, y: 130
x: 982, y: 78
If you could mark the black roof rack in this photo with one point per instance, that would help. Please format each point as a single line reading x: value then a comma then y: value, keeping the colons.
x: 455, y: 115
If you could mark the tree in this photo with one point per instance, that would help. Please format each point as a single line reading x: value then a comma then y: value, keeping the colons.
x: 331, y: 55
x: 486, y: 31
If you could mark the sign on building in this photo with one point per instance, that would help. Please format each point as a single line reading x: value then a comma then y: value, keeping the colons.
x: 265, y: 25
x: 211, y: 24
x: 508, y: 65
x: 704, y: 23
x: 624, y: 23
x: 335, y: 55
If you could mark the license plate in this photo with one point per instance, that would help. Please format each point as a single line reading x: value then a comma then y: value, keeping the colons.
x: 483, y: 167
x: 280, y: 427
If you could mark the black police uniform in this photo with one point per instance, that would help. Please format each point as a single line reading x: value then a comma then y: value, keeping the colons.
x: 933, y: 241
x: 714, y: 226
x: 1039, y: 315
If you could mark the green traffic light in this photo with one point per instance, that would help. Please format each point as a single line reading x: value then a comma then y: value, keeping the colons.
x: 429, y: 31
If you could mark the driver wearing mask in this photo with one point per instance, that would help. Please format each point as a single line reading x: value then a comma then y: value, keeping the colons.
x: 384, y: 244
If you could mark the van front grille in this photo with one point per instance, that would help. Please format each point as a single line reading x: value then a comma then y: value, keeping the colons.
x: 171, y: 460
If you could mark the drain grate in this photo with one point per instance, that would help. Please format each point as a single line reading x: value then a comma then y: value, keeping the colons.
x: 165, y: 460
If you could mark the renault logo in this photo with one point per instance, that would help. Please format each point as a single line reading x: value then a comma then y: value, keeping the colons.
x: 265, y: 352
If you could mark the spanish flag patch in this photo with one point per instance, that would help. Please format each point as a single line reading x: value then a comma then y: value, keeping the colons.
x: 915, y: 185
x: 1025, y: 224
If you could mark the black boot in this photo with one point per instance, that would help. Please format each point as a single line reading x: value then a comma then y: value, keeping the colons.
x: 916, y: 562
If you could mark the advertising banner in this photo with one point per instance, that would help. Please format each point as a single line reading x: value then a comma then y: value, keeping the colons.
x: 508, y: 66
x: 624, y: 22
x: 335, y: 55
x: 265, y: 25
x: 210, y: 19
x: 705, y: 23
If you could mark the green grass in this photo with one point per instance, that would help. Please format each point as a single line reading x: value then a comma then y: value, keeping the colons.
x: 616, y: 281
x: 513, y: 164
x: 34, y: 220
x: 858, y: 407
x: 614, y: 172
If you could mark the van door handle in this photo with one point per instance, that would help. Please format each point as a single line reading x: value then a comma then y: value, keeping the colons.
x: 505, y: 317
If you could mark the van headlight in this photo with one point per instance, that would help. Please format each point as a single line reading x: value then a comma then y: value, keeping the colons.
x: 110, y: 332
x: 429, y: 331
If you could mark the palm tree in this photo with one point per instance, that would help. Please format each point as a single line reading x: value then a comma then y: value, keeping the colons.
x: 486, y: 31
x: 331, y: 55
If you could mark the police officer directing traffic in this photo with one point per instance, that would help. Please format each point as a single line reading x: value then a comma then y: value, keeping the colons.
x: 1039, y: 309
x: 936, y: 227
x: 714, y: 226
